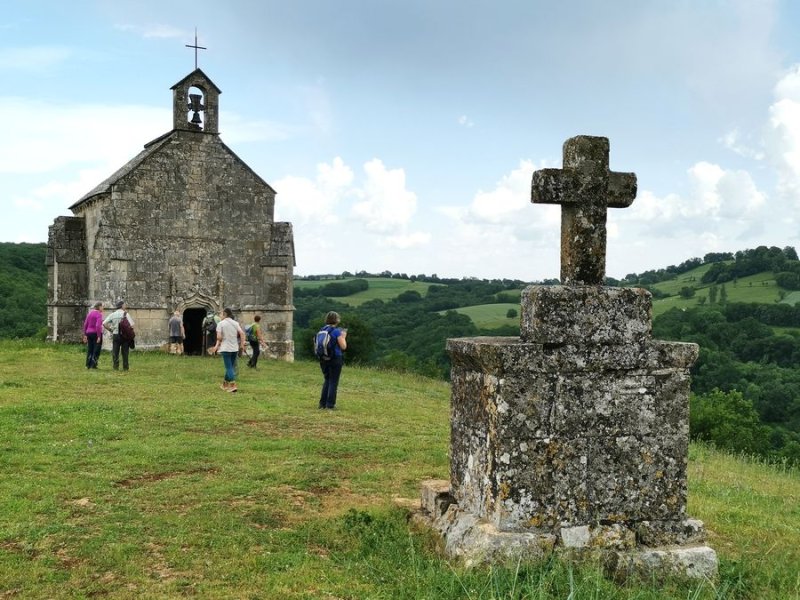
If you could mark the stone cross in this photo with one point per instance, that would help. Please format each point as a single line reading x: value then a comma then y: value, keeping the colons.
x: 584, y: 188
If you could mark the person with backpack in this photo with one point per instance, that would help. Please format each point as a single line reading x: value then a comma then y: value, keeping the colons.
x: 230, y: 341
x: 210, y: 332
x: 256, y: 338
x: 120, y: 342
x: 329, y: 346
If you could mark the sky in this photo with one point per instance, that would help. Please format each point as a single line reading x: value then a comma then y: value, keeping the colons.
x: 402, y: 135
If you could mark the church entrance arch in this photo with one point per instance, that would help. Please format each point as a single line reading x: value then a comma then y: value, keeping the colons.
x: 193, y: 326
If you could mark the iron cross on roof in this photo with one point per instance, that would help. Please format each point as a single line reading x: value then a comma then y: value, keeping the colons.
x: 196, y: 47
x: 584, y: 188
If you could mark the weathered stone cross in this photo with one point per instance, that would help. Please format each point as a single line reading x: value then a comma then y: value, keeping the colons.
x: 584, y: 188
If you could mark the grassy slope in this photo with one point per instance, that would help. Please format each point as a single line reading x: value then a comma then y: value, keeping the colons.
x: 491, y: 316
x: 154, y: 484
x: 380, y: 288
x: 760, y: 287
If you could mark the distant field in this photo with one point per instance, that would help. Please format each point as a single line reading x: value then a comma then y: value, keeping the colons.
x: 380, y: 288
x: 791, y: 298
x: 490, y: 316
x: 759, y: 288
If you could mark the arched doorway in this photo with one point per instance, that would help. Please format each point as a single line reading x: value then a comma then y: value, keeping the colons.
x: 193, y: 326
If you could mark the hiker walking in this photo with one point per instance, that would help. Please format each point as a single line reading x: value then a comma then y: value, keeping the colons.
x: 93, y: 335
x: 331, y: 358
x: 256, y: 339
x: 230, y: 341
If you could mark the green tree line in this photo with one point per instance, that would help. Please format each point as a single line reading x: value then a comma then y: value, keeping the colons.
x: 23, y: 290
x: 746, y: 381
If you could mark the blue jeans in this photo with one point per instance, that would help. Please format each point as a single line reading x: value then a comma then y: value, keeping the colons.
x: 331, y: 370
x: 93, y: 346
x: 229, y: 360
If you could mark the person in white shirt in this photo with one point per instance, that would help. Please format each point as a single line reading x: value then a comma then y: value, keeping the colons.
x: 230, y: 340
x: 111, y: 323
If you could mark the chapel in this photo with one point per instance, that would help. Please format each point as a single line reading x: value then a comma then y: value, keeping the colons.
x: 185, y: 225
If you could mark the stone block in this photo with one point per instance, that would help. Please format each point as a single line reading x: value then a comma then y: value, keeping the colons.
x: 670, y: 533
x: 436, y: 497
x: 476, y: 542
x: 585, y: 315
x: 694, y: 562
x: 586, y: 537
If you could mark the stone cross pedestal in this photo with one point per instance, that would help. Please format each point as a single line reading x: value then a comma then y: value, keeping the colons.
x: 572, y: 438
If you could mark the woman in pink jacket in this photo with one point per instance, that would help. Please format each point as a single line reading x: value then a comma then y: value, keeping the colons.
x: 93, y: 335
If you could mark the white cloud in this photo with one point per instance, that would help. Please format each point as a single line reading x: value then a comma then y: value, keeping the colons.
x: 39, y: 137
x: 404, y: 242
x: 508, y: 206
x: 33, y: 58
x: 51, y: 155
x: 716, y: 196
x: 381, y: 212
x: 464, y: 121
x: 783, y: 134
x: 239, y: 129
x: 733, y: 141
x: 386, y: 204
x: 158, y: 30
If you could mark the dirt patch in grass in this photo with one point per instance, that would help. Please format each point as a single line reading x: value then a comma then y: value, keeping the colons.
x: 153, y: 477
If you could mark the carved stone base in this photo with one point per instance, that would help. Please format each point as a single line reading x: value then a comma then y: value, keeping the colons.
x: 618, y: 547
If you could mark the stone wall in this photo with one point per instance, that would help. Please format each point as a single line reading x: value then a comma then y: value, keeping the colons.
x: 67, y: 279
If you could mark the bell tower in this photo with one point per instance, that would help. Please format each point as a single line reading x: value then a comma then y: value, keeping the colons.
x: 195, y: 104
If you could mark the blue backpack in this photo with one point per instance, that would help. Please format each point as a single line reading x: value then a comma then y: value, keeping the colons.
x: 323, y: 343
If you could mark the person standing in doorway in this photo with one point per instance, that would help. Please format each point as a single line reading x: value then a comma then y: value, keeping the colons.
x: 230, y: 341
x: 93, y: 335
x: 332, y: 366
x: 256, y: 339
x: 111, y: 323
x: 176, y: 333
x: 210, y: 332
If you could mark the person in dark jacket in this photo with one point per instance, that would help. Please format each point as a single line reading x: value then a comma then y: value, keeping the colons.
x: 332, y: 367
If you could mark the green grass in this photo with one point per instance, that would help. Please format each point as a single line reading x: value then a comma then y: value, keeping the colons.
x: 490, y: 316
x: 760, y: 288
x: 156, y: 484
x: 380, y: 288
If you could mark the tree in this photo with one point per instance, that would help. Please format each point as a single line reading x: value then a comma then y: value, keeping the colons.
x: 729, y: 421
x: 686, y: 292
x: 511, y: 313
x: 409, y: 296
x: 712, y: 294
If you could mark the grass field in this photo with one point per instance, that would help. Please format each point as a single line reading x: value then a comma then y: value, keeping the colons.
x: 380, y: 288
x: 491, y: 316
x: 759, y: 288
x: 156, y: 484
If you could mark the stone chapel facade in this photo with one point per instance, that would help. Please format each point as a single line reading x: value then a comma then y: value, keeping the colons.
x: 185, y: 225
